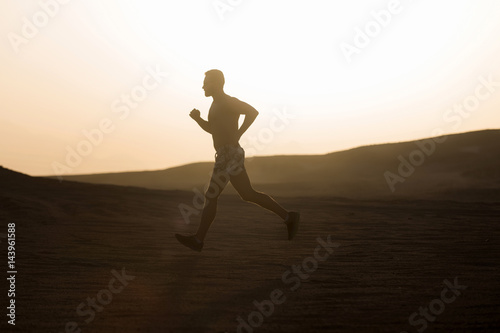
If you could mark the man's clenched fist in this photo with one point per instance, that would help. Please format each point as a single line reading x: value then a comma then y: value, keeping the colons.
x: 195, y: 114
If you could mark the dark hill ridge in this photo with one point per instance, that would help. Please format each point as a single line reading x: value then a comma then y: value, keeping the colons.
x: 464, y: 166
x: 49, y: 201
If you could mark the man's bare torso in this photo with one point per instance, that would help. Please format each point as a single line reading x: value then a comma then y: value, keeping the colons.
x: 223, y: 118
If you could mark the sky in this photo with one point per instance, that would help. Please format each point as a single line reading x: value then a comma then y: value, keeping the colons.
x: 107, y: 86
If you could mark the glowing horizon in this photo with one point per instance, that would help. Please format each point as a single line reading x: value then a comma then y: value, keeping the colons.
x: 348, y: 75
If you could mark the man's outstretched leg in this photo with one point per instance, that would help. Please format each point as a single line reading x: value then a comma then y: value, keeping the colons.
x: 217, y: 184
x: 241, y: 183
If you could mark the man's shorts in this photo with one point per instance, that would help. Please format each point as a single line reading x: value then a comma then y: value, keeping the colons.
x: 229, y: 159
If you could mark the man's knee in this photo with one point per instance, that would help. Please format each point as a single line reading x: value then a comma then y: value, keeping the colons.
x: 211, y: 197
x: 212, y: 193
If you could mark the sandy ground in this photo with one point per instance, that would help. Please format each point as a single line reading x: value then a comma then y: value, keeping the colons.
x: 392, y: 258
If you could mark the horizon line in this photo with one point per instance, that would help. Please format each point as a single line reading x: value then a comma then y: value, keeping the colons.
x: 274, y: 155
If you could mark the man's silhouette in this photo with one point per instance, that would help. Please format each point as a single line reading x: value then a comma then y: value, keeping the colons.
x: 229, y: 159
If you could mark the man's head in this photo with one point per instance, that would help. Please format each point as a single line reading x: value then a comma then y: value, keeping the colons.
x: 214, y: 82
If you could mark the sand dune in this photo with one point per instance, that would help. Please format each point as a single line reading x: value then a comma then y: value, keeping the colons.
x: 463, y: 167
x: 393, y: 258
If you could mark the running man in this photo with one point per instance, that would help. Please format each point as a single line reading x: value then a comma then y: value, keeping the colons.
x: 229, y: 159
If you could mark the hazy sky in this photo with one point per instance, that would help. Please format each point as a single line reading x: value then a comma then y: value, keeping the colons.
x: 104, y: 86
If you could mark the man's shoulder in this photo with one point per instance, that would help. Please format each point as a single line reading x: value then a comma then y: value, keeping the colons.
x: 235, y: 105
x: 233, y: 100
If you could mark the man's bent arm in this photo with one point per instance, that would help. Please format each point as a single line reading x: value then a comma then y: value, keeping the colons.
x: 205, y: 125
x: 250, y: 116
